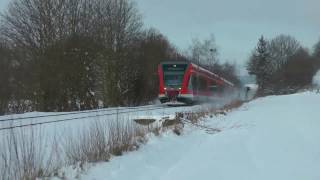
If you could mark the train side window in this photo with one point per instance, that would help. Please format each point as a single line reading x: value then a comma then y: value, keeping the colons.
x: 202, y: 84
x: 194, y: 81
x: 220, y: 89
x: 190, y: 83
x: 213, y: 87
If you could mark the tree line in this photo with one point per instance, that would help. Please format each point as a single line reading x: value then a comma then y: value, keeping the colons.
x: 282, y: 65
x: 65, y: 55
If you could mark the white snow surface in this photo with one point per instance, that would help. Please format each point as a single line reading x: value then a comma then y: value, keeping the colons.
x: 275, y: 137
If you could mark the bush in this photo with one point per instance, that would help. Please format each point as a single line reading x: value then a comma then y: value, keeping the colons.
x: 103, y: 139
x: 25, y: 155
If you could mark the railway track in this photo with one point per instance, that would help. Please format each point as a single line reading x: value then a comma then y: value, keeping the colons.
x: 20, y: 121
x: 119, y: 109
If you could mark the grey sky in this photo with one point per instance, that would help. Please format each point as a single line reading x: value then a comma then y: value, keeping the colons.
x: 236, y: 24
x: 3, y: 4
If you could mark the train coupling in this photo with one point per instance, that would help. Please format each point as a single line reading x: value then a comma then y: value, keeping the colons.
x: 172, y: 94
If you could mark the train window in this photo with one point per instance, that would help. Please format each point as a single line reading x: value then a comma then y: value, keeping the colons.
x: 173, y: 75
x: 174, y: 67
x: 220, y: 89
x: 202, y: 84
x: 190, y: 83
x: 198, y: 83
x: 195, y: 85
x: 213, y: 87
x: 173, y: 80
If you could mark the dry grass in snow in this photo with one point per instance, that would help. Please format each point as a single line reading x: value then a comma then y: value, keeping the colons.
x: 27, y: 155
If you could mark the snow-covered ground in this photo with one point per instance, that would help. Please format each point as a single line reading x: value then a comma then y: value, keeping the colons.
x: 275, y: 137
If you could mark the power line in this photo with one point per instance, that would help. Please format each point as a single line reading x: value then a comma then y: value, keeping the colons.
x: 77, y: 118
x: 69, y: 113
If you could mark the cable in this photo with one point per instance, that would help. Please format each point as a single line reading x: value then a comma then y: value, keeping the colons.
x: 63, y: 114
x: 77, y: 118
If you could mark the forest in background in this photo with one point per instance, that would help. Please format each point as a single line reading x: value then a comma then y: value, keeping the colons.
x: 282, y: 65
x: 66, y: 55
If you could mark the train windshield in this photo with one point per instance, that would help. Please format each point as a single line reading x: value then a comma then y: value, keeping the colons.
x: 173, y: 74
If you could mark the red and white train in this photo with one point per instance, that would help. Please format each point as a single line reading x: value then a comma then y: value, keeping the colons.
x: 188, y: 83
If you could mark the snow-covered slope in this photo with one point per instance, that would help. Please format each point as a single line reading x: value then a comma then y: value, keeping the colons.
x: 276, y: 137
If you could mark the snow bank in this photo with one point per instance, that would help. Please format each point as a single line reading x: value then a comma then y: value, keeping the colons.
x: 275, y: 137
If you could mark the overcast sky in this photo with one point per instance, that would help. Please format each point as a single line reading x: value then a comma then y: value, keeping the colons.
x: 3, y: 4
x: 236, y: 24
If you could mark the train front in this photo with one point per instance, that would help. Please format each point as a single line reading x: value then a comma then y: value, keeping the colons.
x: 173, y: 80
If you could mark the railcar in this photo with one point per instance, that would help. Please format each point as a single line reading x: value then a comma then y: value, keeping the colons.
x: 188, y: 83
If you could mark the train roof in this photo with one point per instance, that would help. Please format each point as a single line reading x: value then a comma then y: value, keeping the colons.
x: 175, y: 62
x: 213, y: 74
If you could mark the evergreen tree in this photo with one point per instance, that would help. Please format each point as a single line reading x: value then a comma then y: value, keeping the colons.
x: 258, y: 64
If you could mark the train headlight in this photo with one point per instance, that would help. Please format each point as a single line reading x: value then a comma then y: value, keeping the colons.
x: 179, y: 88
x: 165, y: 88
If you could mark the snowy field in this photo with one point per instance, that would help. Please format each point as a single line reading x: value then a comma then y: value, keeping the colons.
x: 47, y: 135
x: 44, y: 138
x: 275, y: 137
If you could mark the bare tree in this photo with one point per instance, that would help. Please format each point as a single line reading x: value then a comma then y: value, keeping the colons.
x: 204, y: 52
x: 281, y: 48
x: 88, y: 50
x: 5, y: 77
x: 299, y: 70
x: 124, y: 30
x: 287, y: 66
x: 34, y: 24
